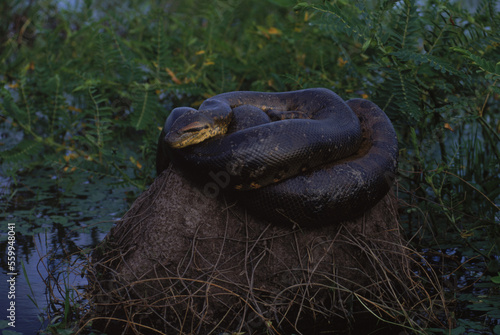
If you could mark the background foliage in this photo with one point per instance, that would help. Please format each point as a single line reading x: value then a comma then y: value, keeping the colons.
x: 86, y: 87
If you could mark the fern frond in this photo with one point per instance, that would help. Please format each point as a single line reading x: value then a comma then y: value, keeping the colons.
x: 418, y: 58
x: 127, y: 73
x: 144, y: 107
x: 404, y: 32
x: 489, y: 67
x: 105, y: 55
x: 100, y: 122
x: 474, y: 33
x: 161, y: 50
x: 489, y: 9
x: 54, y: 83
x: 400, y: 95
x: 10, y: 107
x: 343, y: 20
x: 21, y: 152
x: 409, y: 99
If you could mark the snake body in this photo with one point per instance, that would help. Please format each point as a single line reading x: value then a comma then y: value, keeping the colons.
x: 305, y: 156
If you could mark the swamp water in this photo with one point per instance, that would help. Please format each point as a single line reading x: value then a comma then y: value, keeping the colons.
x: 49, y: 229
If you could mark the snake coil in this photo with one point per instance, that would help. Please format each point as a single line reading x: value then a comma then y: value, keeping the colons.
x: 305, y: 157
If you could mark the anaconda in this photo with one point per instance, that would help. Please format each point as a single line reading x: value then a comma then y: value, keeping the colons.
x: 305, y: 157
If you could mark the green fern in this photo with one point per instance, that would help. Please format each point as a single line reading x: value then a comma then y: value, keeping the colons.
x: 404, y: 93
x: 490, y: 68
x: 161, y: 50
x: 342, y: 20
x: 145, y: 106
x: 404, y: 32
x: 9, y: 107
x: 101, y: 123
x: 436, y: 63
x: 124, y: 61
x: 22, y: 152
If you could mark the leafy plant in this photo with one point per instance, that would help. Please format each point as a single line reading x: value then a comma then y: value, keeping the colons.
x: 496, y: 279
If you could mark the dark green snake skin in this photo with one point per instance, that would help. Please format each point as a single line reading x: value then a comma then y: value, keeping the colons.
x: 304, y: 157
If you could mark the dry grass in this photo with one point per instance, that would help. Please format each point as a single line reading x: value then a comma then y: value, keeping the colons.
x: 211, y: 303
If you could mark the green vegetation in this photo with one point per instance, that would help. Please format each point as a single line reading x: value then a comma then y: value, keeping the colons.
x: 85, y: 91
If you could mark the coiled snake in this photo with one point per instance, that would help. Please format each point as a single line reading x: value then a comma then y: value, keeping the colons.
x: 305, y: 157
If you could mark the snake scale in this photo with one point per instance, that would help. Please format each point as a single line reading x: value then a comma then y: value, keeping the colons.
x: 305, y: 157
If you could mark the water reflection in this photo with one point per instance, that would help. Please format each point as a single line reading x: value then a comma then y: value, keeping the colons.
x: 54, y: 229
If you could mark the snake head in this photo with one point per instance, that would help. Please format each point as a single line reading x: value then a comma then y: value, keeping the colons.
x: 190, y: 126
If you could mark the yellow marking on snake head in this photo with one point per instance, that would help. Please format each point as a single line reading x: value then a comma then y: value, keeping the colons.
x: 254, y: 185
x: 193, y: 133
x: 193, y: 129
x: 194, y: 125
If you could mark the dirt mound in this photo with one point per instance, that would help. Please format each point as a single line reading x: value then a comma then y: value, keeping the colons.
x: 183, y: 263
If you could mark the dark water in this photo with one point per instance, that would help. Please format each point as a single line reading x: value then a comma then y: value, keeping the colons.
x: 30, y: 296
x: 25, y: 317
x: 53, y: 228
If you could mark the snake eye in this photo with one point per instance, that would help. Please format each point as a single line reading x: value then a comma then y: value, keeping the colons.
x: 194, y: 127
